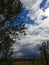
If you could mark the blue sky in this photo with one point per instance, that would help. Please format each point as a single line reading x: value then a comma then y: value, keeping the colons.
x: 35, y: 15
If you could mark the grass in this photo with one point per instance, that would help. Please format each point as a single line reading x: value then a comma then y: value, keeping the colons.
x: 28, y: 62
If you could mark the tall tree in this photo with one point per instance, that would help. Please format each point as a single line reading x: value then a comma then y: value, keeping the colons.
x: 44, y: 52
x: 9, y: 11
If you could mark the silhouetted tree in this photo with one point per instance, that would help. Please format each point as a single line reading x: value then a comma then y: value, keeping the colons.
x: 9, y: 11
x: 44, y: 52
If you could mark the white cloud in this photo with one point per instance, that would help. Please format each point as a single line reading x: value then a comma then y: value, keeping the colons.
x: 36, y: 14
x: 47, y: 12
x: 38, y: 32
x: 31, y: 4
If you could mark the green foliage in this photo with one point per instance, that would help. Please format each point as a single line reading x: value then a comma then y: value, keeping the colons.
x: 9, y: 11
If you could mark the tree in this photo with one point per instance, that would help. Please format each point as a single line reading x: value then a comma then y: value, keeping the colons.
x: 9, y: 11
x: 44, y: 52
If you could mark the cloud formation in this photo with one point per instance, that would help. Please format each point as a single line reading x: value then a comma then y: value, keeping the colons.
x: 36, y: 17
